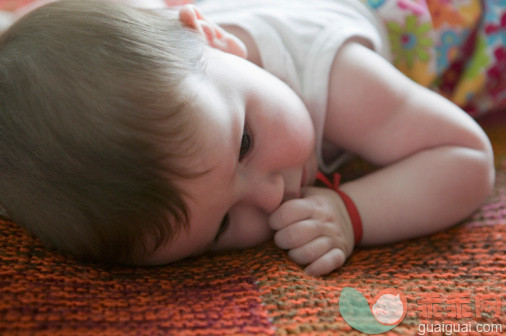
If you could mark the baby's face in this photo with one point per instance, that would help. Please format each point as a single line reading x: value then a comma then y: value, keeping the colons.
x: 256, y: 141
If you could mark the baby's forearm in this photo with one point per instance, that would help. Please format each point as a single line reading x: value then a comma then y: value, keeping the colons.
x: 421, y: 194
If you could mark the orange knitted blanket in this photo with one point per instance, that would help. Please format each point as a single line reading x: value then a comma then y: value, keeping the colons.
x: 456, y: 277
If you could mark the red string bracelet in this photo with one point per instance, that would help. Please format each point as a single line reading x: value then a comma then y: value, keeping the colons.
x: 356, y: 221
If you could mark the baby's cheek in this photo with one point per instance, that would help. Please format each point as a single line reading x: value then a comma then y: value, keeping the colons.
x: 301, y: 142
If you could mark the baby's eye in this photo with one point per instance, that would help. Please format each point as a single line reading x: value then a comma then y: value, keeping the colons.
x: 246, y: 143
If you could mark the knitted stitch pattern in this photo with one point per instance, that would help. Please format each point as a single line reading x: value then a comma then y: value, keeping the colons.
x: 445, y: 277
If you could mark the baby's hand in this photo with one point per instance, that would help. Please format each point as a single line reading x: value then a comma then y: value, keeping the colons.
x: 316, y: 230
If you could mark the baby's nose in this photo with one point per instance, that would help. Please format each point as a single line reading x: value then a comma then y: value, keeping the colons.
x: 267, y: 193
x: 292, y: 184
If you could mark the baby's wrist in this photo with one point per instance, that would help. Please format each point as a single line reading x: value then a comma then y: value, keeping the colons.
x: 353, y: 218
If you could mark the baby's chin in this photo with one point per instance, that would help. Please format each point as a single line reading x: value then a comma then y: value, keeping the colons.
x: 238, y: 243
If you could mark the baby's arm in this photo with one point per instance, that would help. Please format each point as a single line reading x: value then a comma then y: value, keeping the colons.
x: 438, y: 163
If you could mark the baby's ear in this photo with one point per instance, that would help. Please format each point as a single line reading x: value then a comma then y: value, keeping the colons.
x: 215, y: 36
x: 189, y: 15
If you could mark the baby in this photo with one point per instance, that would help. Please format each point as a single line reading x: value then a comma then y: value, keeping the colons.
x: 143, y: 137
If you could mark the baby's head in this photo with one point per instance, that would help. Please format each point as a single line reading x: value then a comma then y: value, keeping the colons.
x: 94, y: 126
x: 139, y: 137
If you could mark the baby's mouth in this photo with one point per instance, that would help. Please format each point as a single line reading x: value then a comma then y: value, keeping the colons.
x: 303, y: 180
x: 291, y: 195
x: 293, y: 182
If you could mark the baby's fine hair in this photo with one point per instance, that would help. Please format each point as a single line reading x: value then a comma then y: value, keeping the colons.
x: 93, y: 123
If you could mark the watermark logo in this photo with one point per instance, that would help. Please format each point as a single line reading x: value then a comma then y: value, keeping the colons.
x: 388, y: 309
x: 458, y: 305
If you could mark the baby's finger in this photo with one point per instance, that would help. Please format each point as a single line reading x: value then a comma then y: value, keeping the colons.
x: 292, y: 211
x: 298, y: 234
x: 311, y: 251
x: 332, y: 260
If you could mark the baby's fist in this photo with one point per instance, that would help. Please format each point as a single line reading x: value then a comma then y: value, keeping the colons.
x: 316, y: 229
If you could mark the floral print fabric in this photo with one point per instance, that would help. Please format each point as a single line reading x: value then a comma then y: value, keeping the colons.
x: 455, y: 47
